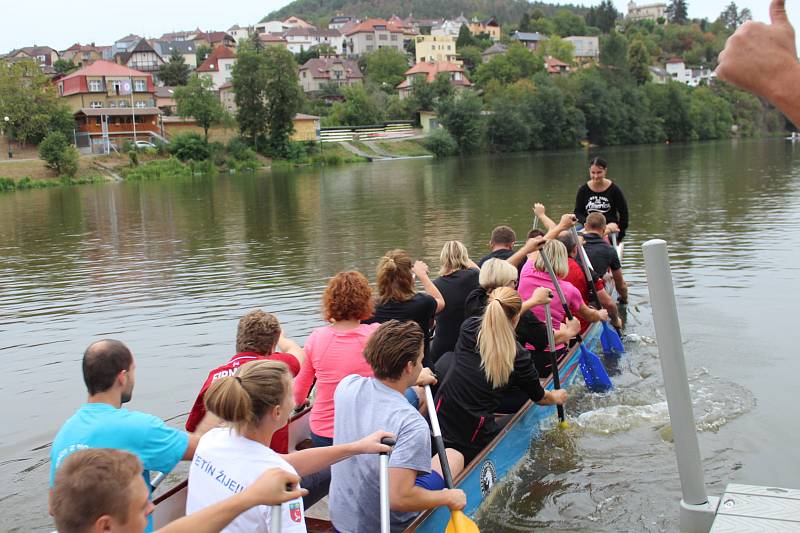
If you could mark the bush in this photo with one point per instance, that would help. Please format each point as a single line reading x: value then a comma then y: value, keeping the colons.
x: 59, y: 154
x: 160, y: 168
x: 133, y: 156
x: 441, y: 143
x: 190, y: 147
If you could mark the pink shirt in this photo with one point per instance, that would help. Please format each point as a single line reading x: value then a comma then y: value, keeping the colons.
x: 531, y: 279
x: 330, y: 356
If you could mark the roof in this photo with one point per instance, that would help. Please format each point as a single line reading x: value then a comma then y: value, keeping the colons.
x: 303, y: 116
x: 496, y: 48
x: 105, y: 68
x: 296, y: 20
x: 118, y: 111
x: 314, y: 32
x: 674, y: 60
x: 141, y: 46
x: 183, y: 47
x: 32, y: 51
x: 320, y: 67
x: 128, y: 38
x: 528, y: 36
x: 431, y: 70
x: 214, y: 36
x: 165, y: 92
x: 271, y: 38
x: 658, y: 71
x: 554, y: 66
x: 368, y: 26
x: 336, y: 19
x: 220, y: 52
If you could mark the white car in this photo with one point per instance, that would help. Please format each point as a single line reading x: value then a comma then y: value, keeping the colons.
x: 144, y: 144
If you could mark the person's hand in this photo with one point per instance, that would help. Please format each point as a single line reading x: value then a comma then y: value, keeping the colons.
x: 603, y: 314
x: 536, y: 243
x: 612, y: 227
x: 538, y: 210
x: 372, y: 443
x: 426, y: 377
x: 271, y: 487
x: 456, y: 499
x: 571, y: 327
x: 762, y: 58
x: 618, y: 323
x: 541, y: 296
x: 420, y: 269
x: 558, y: 396
x: 568, y: 220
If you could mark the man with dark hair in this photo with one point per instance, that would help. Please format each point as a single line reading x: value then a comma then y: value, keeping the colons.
x: 100, y: 490
x: 395, y: 354
x: 602, y: 255
x: 501, y: 244
x: 109, y: 373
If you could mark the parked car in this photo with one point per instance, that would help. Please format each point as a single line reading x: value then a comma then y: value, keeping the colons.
x: 144, y: 144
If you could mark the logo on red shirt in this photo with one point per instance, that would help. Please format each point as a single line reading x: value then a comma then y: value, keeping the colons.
x: 295, y: 512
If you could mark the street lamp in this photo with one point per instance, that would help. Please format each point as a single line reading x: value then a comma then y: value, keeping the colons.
x: 8, y: 136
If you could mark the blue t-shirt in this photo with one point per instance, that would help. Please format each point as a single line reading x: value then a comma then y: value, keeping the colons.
x: 100, y: 425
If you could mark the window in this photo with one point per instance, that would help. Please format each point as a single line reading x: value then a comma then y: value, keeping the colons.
x: 228, y: 66
x: 95, y: 86
x: 139, y: 86
x: 122, y: 103
x: 370, y: 37
x: 383, y: 37
x: 96, y: 104
x: 112, y: 103
x: 140, y: 104
x: 370, y: 48
x: 394, y: 37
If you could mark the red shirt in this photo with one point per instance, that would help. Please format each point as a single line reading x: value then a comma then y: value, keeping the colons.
x: 280, y: 439
x: 578, y: 278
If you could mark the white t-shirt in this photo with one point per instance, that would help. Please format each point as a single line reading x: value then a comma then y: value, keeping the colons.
x: 224, y: 464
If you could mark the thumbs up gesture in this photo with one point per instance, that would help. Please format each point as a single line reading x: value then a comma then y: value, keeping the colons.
x: 762, y: 58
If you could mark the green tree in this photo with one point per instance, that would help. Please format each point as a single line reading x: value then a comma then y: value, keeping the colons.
x: 190, y: 147
x: 386, y: 67
x: 516, y: 64
x: 441, y: 143
x: 465, y: 38
x: 732, y: 18
x: 677, y: 12
x: 305, y: 55
x: 59, y: 154
x: 471, y: 57
x: 614, y: 50
x: 525, y: 22
x: 250, y: 91
x: 556, y: 47
x: 426, y: 95
x: 202, y: 52
x: 360, y: 107
x: 710, y: 115
x: 198, y: 99
x: 62, y: 66
x: 639, y: 61
x: 568, y: 23
x: 174, y: 72
x: 671, y: 104
x: 603, y: 16
x: 284, y: 97
x: 461, y: 116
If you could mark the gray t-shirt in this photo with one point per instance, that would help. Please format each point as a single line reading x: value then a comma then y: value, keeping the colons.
x: 363, y: 406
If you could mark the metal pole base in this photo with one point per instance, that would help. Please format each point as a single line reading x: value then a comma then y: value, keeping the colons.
x: 698, y: 518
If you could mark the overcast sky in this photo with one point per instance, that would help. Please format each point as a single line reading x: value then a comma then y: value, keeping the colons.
x: 60, y: 23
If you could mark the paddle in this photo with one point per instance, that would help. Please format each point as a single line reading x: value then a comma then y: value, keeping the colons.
x: 459, y: 522
x: 609, y: 338
x: 276, y: 515
x: 594, y: 373
x: 551, y: 340
x: 386, y: 525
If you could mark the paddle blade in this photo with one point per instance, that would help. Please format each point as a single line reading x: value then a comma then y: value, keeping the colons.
x: 461, y: 523
x: 594, y: 373
x: 609, y: 339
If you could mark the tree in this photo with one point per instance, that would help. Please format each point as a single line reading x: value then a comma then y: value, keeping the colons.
x: 359, y: 108
x: 305, y: 55
x: 603, y: 16
x: 62, y: 66
x: 284, y: 97
x: 59, y: 154
x: 202, y: 52
x: 386, y: 67
x: 614, y: 50
x: 677, y: 12
x: 732, y: 18
x: 471, y: 57
x: 639, y: 61
x: 516, y: 64
x: 525, y: 22
x: 568, y: 23
x: 199, y: 100
x: 427, y: 94
x: 174, y: 72
x: 461, y: 116
x: 249, y: 87
x: 465, y: 38
x: 556, y: 47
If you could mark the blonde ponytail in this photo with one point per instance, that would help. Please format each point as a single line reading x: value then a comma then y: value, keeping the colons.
x: 497, y: 342
x: 243, y: 399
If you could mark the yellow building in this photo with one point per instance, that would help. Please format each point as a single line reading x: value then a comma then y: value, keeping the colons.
x: 435, y: 48
x: 306, y: 128
x: 490, y: 27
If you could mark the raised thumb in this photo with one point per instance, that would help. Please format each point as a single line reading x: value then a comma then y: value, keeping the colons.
x: 777, y: 12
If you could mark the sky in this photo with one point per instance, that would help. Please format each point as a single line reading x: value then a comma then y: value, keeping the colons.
x: 60, y: 23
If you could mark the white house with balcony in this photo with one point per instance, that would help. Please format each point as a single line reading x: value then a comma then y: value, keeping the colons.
x: 303, y: 39
x: 692, y: 77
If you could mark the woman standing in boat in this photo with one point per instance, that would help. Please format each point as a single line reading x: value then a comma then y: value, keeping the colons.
x: 487, y: 360
x: 255, y: 403
x: 601, y: 195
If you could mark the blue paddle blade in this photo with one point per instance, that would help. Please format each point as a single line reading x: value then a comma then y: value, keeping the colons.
x: 609, y: 339
x: 594, y: 373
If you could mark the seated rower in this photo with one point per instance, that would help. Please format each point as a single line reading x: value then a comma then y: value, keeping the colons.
x: 363, y: 404
x: 601, y: 254
x: 255, y: 403
x: 501, y: 244
x: 487, y: 359
x: 109, y: 373
x: 258, y: 337
x: 102, y: 490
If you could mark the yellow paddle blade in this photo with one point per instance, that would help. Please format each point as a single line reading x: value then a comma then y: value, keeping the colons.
x: 563, y: 425
x: 461, y: 523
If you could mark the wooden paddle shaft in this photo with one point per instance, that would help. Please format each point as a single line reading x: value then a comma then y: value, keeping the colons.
x: 554, y: 361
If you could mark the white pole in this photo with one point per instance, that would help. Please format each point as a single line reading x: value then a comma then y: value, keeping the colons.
x: 133, y: 112
x: 697, y: 511
x: 384, y: 493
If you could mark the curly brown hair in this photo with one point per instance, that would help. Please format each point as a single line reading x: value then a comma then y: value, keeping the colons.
x: 348, y: 296
x: 258, y: 332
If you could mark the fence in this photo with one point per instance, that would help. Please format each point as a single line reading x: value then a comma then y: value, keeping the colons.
x: 389, y: 130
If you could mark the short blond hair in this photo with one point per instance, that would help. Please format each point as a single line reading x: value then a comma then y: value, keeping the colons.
x: 557, y: 254
x: 496, y: 273
x: 454, y: 257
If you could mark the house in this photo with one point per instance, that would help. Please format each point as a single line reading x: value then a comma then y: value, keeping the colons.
x: 555, y: 66
x: 658, y: 75
x: 240, y: 33
x: 186, y: 49
x: 301, y: 39
x: 429, y: 121
x: 530, y: 39
x: 495, y: 50
x: 448, y: 27
x: 489, y: 26
x: 429, y: 72
x: 270, y: 26
x: 141, y: 57
x: 647, y: 11
x: 370, y: 35
x: 44, y: 56
x: 227, y: 98
x: 165, y: 100
x: 180, y: 35
x: 317, y: 72
x: 422, y: 26
x: 111, y: 102
x: 337, y: 22
x: 214, y: 39
x: 81, y: 54
x: 692, y: 77
x: 296, y: 22
x: 306, y: 128
x: 218, y: 66
x: 124, y: 44
x: 586, y: 48
x: 272, y: 39
x: 434, y: 48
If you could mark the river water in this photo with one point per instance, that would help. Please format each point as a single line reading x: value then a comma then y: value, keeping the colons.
x: 169, y: 267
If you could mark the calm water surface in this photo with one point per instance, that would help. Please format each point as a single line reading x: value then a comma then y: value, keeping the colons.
x: 169, y: 267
